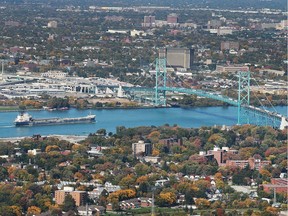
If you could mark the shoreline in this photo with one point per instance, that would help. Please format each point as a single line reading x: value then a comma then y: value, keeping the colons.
x: 70, y: 138
x: 135, y: 107
x: 140, y: 107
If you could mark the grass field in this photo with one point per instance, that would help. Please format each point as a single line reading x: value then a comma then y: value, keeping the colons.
x: 9, y: 108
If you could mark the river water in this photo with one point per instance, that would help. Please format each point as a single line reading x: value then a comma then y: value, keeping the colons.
x: 111, y: 118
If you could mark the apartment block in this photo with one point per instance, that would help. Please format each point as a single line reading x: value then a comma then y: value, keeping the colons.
x: 78, y: 196
x: 142, y: 148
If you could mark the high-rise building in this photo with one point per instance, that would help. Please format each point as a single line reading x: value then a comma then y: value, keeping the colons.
x: 149, y: 21
x: 172, y: 18
x: 142, y: 148
x: 178, y: 57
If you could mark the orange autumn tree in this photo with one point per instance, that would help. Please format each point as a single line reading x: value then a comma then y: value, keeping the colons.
x: 154, y: 136
x: 166, y: 198
x: 142, y: 179
x: 202, y: 203
x: 127, y: 181
x: 16, y: 210
x: 33, y: 210
x: 121, y: 195
x: 183, y: 187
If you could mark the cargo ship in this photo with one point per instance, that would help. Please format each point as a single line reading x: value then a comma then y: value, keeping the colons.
x: 24, y: 119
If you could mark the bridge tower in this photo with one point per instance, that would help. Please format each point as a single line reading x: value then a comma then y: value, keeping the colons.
x: 243, y: 97
x: 246, y: 115
x: 161, y: 78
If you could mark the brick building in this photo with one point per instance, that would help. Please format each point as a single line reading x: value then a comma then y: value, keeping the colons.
x: 222, y: 157
x: 279, y: 184
x: 218, y: 154
x: 253, y: 163
x: 172, y: 18
x: 78, y: 196
x: 171, y: 142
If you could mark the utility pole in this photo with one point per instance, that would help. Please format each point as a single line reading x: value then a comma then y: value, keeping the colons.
x: 152, y: 206
x: 2, y: 73
x: 274, y: 198
x: 86, y: 209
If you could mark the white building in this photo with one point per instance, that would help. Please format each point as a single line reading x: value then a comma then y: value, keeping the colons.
x: 91, y: 210
x: 231, y: 68
x: 114, y: 31
x: 34, y: 152
x: 224, y: 31
x: 134, y: 33
x: 282, y: 25
x: 52, y: 24
x: 54, y: 74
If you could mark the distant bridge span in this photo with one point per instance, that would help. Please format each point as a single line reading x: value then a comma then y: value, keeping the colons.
x: 270, y: 118
x: 247, y: 114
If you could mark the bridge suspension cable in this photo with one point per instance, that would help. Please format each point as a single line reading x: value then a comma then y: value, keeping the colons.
x: 246, y: 113
x: 265, y: 96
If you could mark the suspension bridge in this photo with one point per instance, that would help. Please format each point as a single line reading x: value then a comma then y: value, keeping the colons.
x: 246, y: 113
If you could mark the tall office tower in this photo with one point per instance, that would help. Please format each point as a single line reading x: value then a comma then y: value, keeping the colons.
x: 179, y: 57
x: 172, y: 18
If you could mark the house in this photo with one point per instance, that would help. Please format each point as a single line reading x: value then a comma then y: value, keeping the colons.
x: 95, y: 151
x: 91, y: 210
x: 146, y: 202
x: 152, y: 159
x: 130, y: 204
x: 34, y: 152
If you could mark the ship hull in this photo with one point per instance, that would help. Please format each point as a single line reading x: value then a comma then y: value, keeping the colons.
x: 61, y: 121
x: 57, y: 121
x: 18, y: 124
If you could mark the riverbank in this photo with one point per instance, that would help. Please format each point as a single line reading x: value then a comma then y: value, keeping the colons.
x: 69, y: 138
x: 16, y: 109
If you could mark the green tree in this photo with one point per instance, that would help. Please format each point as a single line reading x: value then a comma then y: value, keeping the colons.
x: 3, y: 173
x: 141, y: 169
x: 69, y: 204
